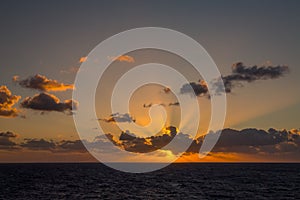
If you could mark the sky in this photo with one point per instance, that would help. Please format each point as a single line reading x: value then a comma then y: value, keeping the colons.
x: 49, y: 41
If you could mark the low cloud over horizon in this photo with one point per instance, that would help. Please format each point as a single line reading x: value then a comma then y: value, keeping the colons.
x: 251, y: 141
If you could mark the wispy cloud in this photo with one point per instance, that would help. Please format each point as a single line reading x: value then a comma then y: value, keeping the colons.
x: 71, y: 70
x: 123, y: 58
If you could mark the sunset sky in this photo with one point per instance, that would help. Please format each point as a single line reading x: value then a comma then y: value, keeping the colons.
x: 48, y: 41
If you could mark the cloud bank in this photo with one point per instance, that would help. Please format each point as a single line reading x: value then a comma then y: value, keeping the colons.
x: 274, y: 143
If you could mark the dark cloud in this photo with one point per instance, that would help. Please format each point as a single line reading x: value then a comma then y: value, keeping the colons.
x: 117, y: 117
x: 253, y: 141
x: 7, y: 101
x: 42, y: 83
x: 6, y: 140
x: 167, y: 90
x: 130, y: 142
x: 38, y: 144
x: 240, y: 74
x: 256, y: 73
x: 174, y: 104
x: 70, y: 146
x: 49, y: 102
x: 147, y: 105
x: 246, y: 141
x: 161, y: 104
x: 200, y: 88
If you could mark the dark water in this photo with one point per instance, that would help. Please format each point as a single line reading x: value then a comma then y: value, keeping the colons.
x: 178, y: 181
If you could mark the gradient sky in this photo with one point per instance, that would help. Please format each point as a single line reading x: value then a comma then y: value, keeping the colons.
x: 50, y: 37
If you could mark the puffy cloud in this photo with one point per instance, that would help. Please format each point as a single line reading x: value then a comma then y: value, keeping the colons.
x: 7, y: 101
x: 42, y: 83
x: 117, y: 117
x: 123, y: 58
x: 6, y: 140
x: 132, y: 143
x: 49, y: 102
x: 200, y: 88
x: 240, y: 74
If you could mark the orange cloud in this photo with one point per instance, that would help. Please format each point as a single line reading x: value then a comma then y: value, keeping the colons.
x: 7, y: 101
x: 82, y: 59
x: 15, y: 78
x: 42, y: 83
x: 124, y: 58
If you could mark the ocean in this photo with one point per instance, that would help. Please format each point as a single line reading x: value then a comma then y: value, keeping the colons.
x: 177, y: 181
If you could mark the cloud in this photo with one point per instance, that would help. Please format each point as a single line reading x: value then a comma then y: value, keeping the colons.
x: 161, y: 104
x: 129, y: 142
x: 83, y: 59
x: 174, y: 104
x: 250, y: 143
x: 7, y: 101
x: 15, y: 78
x: 38, y: 144
x: 253, y: 141
x: 70, y: 146
x: 147, y: 105
x: 263, y: 72
x: 49, y: 102
x: 117, y: 117
x: 200, y: 88
x: 42, y: 83
x: 71, y: 70
x: 123, y: 58
x: 167, y: 90
x: 240, y: 74
x: 53, y: 146
x: 6, y: 140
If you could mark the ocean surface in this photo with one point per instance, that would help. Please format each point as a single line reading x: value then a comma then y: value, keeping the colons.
x: 177, y: 181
